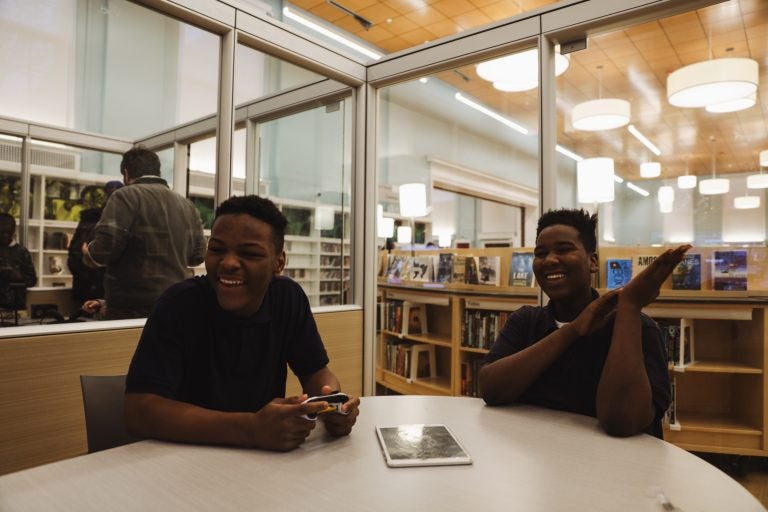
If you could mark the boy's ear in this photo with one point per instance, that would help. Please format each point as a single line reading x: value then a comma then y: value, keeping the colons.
x: 280, y: 265
x: 594, y: 263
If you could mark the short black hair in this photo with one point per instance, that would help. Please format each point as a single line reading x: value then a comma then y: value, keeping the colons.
x: 260, y: 208
x: 580, y: 219
x: 140, y: 161
x: 7, y: 217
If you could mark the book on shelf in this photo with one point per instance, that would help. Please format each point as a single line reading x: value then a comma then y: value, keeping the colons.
x: 393, y: 315
x: 488, y: 267
x: 618, y: 272
x: 397, y: 268
x: 471, y: 274
x: 444, y: 268
x: 398, y: 357
x: 423, y: 361
x: 470, y: 368
x: 670, y: 416
x: 459, y: 268
x: 420, y: 268
x: 687, y: 274
x: 686, y: 343
x: 729, y: 270
x: 414, y: 318
x: 641, y: 262
x: 521, y: 269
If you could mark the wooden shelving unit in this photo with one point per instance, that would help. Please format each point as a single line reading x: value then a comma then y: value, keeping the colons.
x: 445, y: 312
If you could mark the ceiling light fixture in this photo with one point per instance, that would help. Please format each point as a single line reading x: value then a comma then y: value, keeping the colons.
x: 687, y: 181
x: 764, y: 158
x: 594, y: 178
x: 712, y: 82
x: 567, y: 152
x: 714, y: 185
x: 288, y: 13
x: 490, y: 113
x: 746, y: 202
x: 519, y: 71
x: 600, y: 114
x: 733, y: 105
x: 642, y: 138
x: 757, y: 180
x: 650, y: 169
x: 637, y: 189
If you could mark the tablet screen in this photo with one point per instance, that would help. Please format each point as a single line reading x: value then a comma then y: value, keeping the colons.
x: 421, y: 445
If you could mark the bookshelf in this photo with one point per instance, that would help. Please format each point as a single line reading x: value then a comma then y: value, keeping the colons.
x: 719, y: 394
x: 446, y: 311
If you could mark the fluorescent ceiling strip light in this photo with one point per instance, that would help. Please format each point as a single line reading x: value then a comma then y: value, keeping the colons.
x: 637, y: 189
x: 490, y: 113
x: 618, y: 179
x: 288, y: 13
x: 567, y: 152
x: 642, y: 138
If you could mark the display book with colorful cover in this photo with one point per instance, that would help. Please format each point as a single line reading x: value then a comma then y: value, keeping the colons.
x: 687, y: 274
x: 729, y: 270
x: 618, y: 272
x: 521, y: 269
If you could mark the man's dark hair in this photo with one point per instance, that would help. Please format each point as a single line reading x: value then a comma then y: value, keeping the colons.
x: 140, y: 161
x: 7, y: 218
x: 580, y: 219
x: 260, y: 208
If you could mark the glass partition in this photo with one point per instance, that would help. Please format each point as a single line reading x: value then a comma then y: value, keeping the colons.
x: 81, y: 65
x: 304, y: 164
x: 676, y: 168
x: 474, y: 148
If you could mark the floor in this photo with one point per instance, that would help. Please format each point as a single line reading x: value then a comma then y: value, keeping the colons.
x: 751, y: 472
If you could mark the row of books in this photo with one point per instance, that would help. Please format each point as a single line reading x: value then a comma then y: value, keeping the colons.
x: 410, y: 360
x: 480, y: 327
x: 405, y: 317
x: 455, y: 268
x: 670, y: 416
x: 729, y: 271
x: 469, y: 372
x: 677, y: 336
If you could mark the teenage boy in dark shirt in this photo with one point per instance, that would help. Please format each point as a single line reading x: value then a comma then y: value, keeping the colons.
x: 211, y: 363
x: 584, y: 353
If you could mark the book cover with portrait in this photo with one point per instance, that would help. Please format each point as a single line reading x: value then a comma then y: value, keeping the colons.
x: 521, y: 269
x: 618, y: 272
x: 729, y: 270
x: 687, y: 273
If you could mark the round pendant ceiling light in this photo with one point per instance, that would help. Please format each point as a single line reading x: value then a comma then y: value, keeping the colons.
x: 650, y: 169
x: 712, y: 82
x: 601, y: 114
x: 733, y: 105
x: 714, y: 186
x: 594, y: 180
x: 687, y: 181
x: 746, y: 202
x: 519, y: 71
x: 757, y: 181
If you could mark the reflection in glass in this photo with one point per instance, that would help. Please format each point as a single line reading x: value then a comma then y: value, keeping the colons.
x: 304, y: 166
x: 81, y: 65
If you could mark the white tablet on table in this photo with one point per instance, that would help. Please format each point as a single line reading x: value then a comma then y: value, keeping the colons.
x: 421, y: 445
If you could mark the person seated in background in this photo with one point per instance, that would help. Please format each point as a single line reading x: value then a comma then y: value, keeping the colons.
x: 17, y: 273
x: 594, y: 355
x: 88, y: 282
x: 210, y: 366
